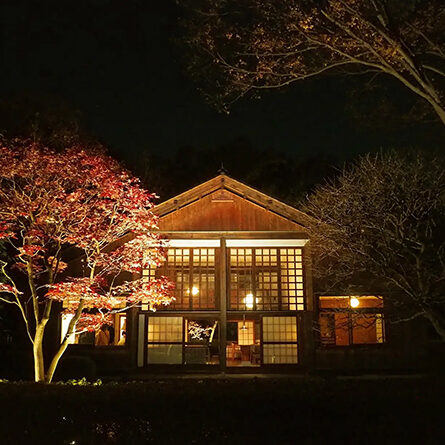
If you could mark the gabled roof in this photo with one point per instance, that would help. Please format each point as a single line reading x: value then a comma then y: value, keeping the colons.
x: 223, y: 182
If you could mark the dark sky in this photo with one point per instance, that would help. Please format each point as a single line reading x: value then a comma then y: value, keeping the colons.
x: 117, y: 62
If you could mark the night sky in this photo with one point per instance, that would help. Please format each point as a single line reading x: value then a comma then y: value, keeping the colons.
x: 119, y: 64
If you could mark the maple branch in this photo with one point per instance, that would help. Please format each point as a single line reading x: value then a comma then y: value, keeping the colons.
x: 17, y: 301
x: 434, y: 70
x: 33, y: 290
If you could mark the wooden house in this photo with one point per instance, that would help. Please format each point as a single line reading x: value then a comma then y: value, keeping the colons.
x: 244, y: 298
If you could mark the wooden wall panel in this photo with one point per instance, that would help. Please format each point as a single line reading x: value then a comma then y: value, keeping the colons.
x: 231, y: 213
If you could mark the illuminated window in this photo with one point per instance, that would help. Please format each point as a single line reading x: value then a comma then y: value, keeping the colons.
x: 180, y: 340
x: 280, y: 354
x: 268, y: 279
x: 241, y: 279
x: 243, y: 348
x: 165, y: 337
x: 291, y: 262
x: 351, y: 320
x: 113, y: 333
x: 165, y: 329
x: 280, y: 340
x: 201, y: 342
x: 66, y: 319
x: 193, y: 272
x: 246, y: 334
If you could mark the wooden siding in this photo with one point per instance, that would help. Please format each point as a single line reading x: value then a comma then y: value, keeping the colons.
x: 231, y: 213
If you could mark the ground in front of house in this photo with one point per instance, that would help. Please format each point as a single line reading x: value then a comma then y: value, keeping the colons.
x: 219, y: 410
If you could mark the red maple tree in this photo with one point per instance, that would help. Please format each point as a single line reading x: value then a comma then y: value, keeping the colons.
x: 74, y: 204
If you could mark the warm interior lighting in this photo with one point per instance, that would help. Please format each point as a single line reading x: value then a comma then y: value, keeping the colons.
x: 66, y: 319
x: 244, y: 327
x: 195, y: 291
x: 248, y: 301
x: 354, y: 302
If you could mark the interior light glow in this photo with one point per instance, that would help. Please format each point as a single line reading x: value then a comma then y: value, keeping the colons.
x: 354, y: 302
x: 66, y: 319
x: 248, y: 301
x: 195, y: 291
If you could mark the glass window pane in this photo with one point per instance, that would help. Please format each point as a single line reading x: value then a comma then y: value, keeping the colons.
x: 274, y: 354
x: 241, y: 280
x: 164, y: 354
x: 367, y: 328
x: 193, y: 272
x: 243, y: 343
x: 342, y: 329
x: 202, y: 346
x: 291, y: 273
x: 353, y: 319
x: 262, y: 281
x: 246, y: 333
x: 165, y: 329
x: 356, y: 302
x: 279, y: 329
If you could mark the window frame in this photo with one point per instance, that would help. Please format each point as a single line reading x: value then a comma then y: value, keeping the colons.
x: 349, y: 311
x: 117, y: 316
x: 184, y: 342
x: 300, y: 302
x: 295, y: 342
x: 171, y: 272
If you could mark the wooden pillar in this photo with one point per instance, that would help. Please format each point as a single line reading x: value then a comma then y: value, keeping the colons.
x: 307, y: 355
x: 132, y: 334
x: 223, y: 305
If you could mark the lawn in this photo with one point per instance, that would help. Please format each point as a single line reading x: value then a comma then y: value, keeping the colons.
x: 229, y: 411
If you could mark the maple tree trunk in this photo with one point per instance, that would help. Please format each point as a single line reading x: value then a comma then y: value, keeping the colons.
x: 39, y: 363
x: 55, y: 361
x: 62, y: 348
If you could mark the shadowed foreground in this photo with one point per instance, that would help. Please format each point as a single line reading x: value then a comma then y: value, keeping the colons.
x: 276, y: 411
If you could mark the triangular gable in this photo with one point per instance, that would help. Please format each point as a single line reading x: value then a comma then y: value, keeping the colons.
x: 223, y: 203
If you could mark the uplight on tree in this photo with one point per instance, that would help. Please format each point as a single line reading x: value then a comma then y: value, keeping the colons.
x: 54, y: 204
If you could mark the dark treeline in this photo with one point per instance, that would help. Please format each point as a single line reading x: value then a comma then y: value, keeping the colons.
x: 286, y: 176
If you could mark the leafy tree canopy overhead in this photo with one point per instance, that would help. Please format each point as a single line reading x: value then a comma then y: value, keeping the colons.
x: 241, y: 48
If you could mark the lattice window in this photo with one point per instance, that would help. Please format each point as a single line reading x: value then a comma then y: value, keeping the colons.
x: 177, y: 268
x: 246, y: 333
x: 165, y: 329
x: 203, y: 289
x: 274, y: 354
x: 241, y: 279
x: 165, y: 337
x: 194, y: 274
x: 266, y: 279
x: 280, y: 340
x: 292, y: 292
x: 279, y: 329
